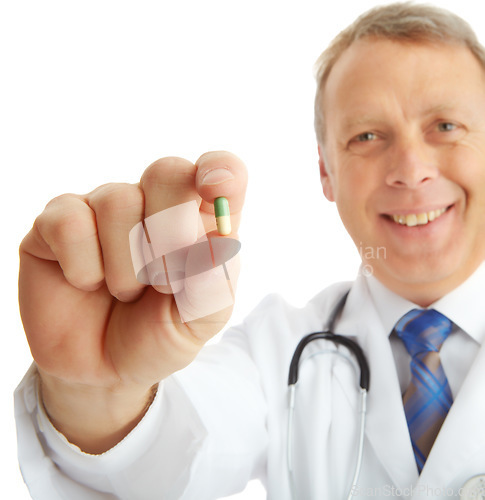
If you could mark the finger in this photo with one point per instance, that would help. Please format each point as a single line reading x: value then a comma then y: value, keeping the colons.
x: 210, y: 285
x: 66, y: 231
x: 118, y: 207
x: 208, y: 295
x: 220, y: 173
x: 172, y: 222
x: 168, y: 182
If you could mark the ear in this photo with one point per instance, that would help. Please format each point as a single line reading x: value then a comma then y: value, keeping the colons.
x: 325, y: 178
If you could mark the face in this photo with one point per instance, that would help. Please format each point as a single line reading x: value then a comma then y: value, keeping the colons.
x: 404, y: 160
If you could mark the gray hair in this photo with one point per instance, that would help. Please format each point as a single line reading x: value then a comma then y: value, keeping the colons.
x: 403, y: 22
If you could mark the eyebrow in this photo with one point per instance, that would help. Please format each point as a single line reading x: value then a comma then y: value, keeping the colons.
x: 361, y: 120
x: 439, y: 109
x: 367, y: 119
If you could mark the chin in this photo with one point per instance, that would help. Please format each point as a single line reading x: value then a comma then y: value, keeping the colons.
x: 423, y: 280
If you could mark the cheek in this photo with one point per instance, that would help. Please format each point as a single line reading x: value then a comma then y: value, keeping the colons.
x: 466, y: 170
x: 354, y: 197
x: 465, y: 163
x: 357, y: 183
x: 354, y: 189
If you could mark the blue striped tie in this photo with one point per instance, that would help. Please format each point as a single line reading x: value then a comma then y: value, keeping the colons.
x: 428, y: 397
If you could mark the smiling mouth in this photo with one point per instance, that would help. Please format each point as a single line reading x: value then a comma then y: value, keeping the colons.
x: 420, y: 219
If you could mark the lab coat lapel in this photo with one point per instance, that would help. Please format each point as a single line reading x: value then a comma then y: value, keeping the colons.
x: 386, y: 426
x: 459, y: 450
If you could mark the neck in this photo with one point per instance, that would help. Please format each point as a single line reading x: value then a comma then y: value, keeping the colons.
x: 424, y: 294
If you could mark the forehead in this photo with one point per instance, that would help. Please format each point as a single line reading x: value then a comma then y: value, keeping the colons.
x: 374, y: 73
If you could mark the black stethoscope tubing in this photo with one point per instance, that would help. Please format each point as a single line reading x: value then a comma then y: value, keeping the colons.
x: 328, y: 334
x: 364, y: 382
x: 470, y: 489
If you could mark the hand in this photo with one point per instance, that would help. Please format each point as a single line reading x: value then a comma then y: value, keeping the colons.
x: 95, y: 332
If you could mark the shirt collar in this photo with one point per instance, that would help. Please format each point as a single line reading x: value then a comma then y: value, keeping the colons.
x: 463, y: 305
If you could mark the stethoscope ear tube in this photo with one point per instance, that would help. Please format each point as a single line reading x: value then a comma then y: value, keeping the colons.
x: 337, y: 339
x: 356, y: 350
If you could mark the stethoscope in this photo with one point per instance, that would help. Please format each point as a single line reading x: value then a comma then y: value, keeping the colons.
x: 474, y: 488
x: 357, y: 352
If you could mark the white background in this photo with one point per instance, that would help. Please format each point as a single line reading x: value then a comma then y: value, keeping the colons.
x: 94, y: 91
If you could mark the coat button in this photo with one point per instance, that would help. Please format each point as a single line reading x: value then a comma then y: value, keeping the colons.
x: 474, y: 488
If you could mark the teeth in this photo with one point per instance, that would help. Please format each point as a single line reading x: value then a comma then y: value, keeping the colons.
x: 411, y: 220
x: 422, y: 219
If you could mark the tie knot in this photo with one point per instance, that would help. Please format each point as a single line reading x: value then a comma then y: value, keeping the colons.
x: 423, y: 330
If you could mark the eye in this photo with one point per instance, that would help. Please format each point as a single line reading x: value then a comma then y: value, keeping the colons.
x: 366, y: 143
x: 366, y: 137
x: 446, y: 127
x: 446, y: 132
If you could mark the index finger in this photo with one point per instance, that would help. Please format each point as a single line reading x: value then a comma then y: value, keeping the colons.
x: 179, y: 211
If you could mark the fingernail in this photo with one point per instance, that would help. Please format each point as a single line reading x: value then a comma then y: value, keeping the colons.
x: 217, y: 176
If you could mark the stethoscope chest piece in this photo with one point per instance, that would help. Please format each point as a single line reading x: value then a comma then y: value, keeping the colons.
x: 474, y: 488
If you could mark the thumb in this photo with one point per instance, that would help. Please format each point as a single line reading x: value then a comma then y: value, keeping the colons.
x: 220, y: 173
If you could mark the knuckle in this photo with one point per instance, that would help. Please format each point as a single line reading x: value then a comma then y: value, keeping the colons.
x: 168, y: 171
x: 73, y: 227
x: 60, y: 202
x: 113, y: 199
x: 124, y: 293
x: 65, y: 226
x: 82, y: 279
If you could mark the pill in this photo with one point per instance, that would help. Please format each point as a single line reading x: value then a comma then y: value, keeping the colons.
x: 223, y: 218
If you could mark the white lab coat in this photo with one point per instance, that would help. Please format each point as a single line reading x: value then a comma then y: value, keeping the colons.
x: 223, y: 420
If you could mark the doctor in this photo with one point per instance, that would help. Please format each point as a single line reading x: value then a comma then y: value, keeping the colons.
x: 400, y: 120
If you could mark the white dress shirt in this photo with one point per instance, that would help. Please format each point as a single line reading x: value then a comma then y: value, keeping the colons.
x: 222, y: 421
x: 460, y: 348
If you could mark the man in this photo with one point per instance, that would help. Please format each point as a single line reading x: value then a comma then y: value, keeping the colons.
x: 400, y: 119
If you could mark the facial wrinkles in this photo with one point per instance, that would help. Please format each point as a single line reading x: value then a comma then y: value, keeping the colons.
x: 393, y: 111
x: 402, y: 96
x: 384, y: 97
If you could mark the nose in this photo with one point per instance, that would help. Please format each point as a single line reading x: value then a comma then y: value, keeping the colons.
x: 411, y: 164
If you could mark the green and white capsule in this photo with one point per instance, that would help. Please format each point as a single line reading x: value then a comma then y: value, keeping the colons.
x: 223, y: 217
